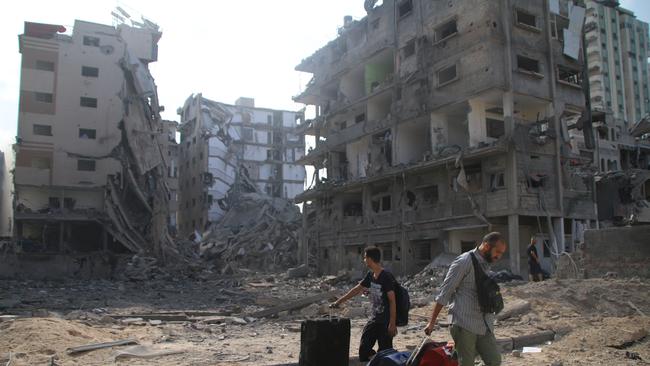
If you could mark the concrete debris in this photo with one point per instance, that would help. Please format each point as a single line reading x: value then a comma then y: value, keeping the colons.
x: 144, y: 351
x: 94, y: 346
x: 257, y: 231
x: 623, y: 197
x: 300, y: 271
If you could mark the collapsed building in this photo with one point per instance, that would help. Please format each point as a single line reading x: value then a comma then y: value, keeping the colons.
x: 617, y: 46
x: 91, y: 159
x: 438, y: 121
x: 228, y: 149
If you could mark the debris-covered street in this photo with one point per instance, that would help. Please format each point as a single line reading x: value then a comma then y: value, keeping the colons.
x: 211, y: 319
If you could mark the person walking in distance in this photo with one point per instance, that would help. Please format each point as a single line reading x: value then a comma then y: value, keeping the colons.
x: 471, y: 328
x: 380, y: 285
x: 534, y: 267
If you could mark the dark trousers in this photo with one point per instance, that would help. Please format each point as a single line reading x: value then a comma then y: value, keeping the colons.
x: 374, y: 332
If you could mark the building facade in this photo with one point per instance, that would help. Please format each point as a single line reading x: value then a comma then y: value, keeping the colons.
x: 85, y: 97
x: 437, y: 121
x: 5, y: 198
x: 224, y: 146
x: 171, y: 155
x: 617, y: 53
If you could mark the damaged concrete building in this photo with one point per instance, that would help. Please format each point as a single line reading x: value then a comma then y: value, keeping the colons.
x: 617, y: 51
x: 5, y: 198
x: 223, y: 143
x: 437, y: 121
x: 90, y: 147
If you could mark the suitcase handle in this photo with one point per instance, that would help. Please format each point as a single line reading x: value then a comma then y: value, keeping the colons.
x: 411, y: 360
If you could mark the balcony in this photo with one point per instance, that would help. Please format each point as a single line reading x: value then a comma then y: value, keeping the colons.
x: 32, y: 176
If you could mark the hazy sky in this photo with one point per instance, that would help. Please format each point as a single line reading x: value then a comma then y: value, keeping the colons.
x: 224, y: 49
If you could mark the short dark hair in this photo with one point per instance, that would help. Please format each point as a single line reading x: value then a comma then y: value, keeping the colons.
x: 373, y: 253
x: 493, y: 238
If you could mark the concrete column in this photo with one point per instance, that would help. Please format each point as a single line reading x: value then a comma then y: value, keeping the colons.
x: 476, y: 122
x: 511, y: 156
x: 303, y: 250
x: 61, y: 245
x: 439, y: 132
x: 558, y: 226
x: 514, y: 245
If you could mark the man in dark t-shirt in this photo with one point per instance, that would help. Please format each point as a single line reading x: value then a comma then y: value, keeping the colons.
x: 534, y: 268
x: 380, y: 285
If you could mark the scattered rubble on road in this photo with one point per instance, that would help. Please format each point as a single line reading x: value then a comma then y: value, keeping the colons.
x: 254, y: 318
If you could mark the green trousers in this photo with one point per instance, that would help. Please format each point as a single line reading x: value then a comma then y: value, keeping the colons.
x: 468, y: 345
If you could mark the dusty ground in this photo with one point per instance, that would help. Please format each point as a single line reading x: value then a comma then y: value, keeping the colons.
x: 210, y: 324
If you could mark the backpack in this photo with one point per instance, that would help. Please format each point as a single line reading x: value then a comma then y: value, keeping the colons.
x: 402, y: 304
x: 489, y: 293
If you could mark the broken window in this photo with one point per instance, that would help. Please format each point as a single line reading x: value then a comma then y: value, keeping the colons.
x: 446, y: 30
x: 87, y: 133
x: 360, y: 118
x: 497, y: 181
x: 466, y: 245
x: 423, y: 252
x: 526, y: 19
x: 558, y: 24
x: 44, y: 65
x: 447, y: 75
x: 409, y: 49
x: 472, y: 182
x: 405, y: 8
x: 387, y: 253
x: 247, y: 134
x: 42, y: 130
x: 495, y: 128
x: 88, y: 102
x: 385, y: 203
x: 410, y: 198
x: 54, y: 202
x: 527, y: 64
x: 430, y: 195
x: 91, y: 41
x: 569, y: 75
x: 92, y: 72
x: 69, y: 203
x: 86, y: 165
x: 43, y: 97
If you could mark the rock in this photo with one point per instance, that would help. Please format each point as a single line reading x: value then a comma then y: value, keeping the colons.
x: 298, y: 272
x: 238, y: 321
x: 155, y: 322
x: 516, y: 353
x: 557, y: 363
x: 132, y: 320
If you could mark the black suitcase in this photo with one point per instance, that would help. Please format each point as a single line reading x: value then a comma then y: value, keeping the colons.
x: 325, y: 342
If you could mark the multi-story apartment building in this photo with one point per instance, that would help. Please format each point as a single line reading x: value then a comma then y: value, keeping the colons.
x: 87, y: 147
x: 223, y: 145
x: 171, y: 149
x: 437, y: 121
x: 617, y: 52
x: 5, y: 198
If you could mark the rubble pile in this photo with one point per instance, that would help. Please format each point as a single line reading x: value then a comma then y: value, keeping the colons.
x: 258, y: 231
x: 432, y: 276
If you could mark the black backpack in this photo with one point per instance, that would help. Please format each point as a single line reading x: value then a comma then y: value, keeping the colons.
x: 403, y: 305
x: 489, y: 293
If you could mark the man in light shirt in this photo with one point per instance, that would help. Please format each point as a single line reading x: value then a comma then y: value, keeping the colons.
x: 471, y: 329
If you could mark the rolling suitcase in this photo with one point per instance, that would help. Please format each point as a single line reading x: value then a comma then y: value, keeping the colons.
x: 325, y: 342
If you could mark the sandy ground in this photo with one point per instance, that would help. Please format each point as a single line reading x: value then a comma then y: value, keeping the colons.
x: 587, y: 316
